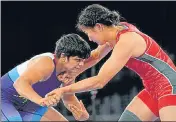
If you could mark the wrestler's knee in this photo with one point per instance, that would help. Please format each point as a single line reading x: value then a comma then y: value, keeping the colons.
x: 144, y: 101
x: 129, y: 116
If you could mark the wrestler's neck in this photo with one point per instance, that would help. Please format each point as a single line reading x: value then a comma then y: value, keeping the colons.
x: 112, y: 34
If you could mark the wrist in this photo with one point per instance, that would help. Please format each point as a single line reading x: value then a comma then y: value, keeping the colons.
x: 64, y: 89
x: 39, y: 101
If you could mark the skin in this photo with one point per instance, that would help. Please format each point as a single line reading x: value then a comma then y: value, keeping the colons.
x: 135, y: 107
x: 41, y: 69
x: 135, y: 46
x: 70, y: 101
x: 80, y: 113
x: 53, y: 115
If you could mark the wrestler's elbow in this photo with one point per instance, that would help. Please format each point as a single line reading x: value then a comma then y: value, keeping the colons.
x: 100, y: 86
x: 100, y: 83
x: 20, y: 85
x: 17, y: 85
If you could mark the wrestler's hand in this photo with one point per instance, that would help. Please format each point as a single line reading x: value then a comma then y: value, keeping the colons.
x: 80, y: 114
x: 49, y: 101
x: 44, y: 102
x: 67, y: 77
x: 53, y: 97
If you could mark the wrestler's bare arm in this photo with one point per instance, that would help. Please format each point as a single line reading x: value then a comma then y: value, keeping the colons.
x: 39, y: 68
x: 120, y: 55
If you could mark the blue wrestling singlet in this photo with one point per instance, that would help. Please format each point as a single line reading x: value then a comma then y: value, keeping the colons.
x: 16, y: 108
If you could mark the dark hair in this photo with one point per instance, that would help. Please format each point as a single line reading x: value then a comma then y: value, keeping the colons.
x: 72, y: 45
x: 96, y: 13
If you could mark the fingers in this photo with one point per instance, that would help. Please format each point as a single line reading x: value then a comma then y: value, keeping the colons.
x: 77, y: 113
x: 81, y: 103
x: 50, y: 101
x: 85, y: 114
x: 82, y: 106
x: 44, y: 102
x: 52, y: 98
x: 74, y: 109
x: 67, y: 77
x: 66, y: 80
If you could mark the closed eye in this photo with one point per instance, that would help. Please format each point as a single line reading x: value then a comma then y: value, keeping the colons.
x: 78, y: 60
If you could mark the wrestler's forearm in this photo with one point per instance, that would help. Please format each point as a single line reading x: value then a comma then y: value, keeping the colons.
x: 25, y: 90
x: 70, y: 98
x: 82, y: 86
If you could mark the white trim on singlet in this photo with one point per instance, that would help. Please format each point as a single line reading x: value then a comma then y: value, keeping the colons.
x: 22, y: 67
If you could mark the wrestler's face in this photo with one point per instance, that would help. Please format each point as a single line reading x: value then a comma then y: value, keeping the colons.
x: 73, y: 63
x: 95, y: 34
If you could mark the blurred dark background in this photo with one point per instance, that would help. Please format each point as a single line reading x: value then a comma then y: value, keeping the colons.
x: 29, y: 28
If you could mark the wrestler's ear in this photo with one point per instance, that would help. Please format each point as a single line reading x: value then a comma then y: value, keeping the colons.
x: 63, y: 58
x: 98, y: 27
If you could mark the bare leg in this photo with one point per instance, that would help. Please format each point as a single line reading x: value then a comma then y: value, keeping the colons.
x: 53, y: 115
x: 141, y: 108
x: 168, y: 113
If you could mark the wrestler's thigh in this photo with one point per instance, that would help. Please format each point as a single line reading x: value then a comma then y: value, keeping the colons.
x: 54, y: 115
x: 143, y: 106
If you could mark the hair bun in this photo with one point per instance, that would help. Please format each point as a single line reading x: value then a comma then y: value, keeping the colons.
x: 114, y: 16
